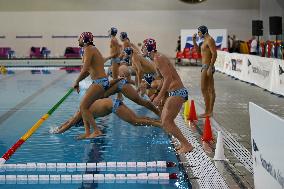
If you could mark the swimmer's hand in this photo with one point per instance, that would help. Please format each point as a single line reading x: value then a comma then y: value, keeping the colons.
x: 157, y: 101
x: 194, y: 36
x: 55, y: 130
x: 76, y: 86
x: 209, y: 71
x: 139, y: 88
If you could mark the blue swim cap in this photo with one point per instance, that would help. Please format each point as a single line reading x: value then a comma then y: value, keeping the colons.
x: 128, y: 51
x: 123, y: 36
x: 203, y: 30
x: 113, y: 31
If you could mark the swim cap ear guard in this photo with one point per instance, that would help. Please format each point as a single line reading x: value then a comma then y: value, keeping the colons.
x: 113, y: 31
x: 150, y: 44
x: 123, y: 36
x: 87, y: 37
x: 203, y: 30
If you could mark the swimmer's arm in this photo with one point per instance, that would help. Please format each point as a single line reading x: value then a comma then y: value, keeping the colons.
x: 159, y: 75
x: 114, y: 52
x: 196, y: 47
x: 160, y: 85
x: 135, y: 48
x: 70, y: 123
x: 139, y: 73
x: 122, y: 54
x: 167, y: 78
x: 82, y: 76
x: 86, y: 66
x: 212, y: 47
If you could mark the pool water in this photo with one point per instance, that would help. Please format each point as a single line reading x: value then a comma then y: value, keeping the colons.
x: 26, y: 96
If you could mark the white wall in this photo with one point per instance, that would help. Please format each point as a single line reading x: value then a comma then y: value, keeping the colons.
x: 164, y: 26
x: 270, y: 8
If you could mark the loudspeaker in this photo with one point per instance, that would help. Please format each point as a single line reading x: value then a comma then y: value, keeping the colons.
x: 257, y: 28
x: 275, y: 25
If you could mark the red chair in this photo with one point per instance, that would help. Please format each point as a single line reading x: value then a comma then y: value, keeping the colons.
x: 186, y: 50
x: 35, y: 52
x: 196, y: 56
x: 187, y: 55
x: 72, y: 52
x: 179, y: 55
x: 4, y: 52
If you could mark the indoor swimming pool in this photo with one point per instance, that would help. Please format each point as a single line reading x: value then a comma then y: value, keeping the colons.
x: 26, y: 95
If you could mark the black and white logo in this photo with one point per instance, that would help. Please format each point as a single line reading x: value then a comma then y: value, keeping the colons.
x: 281, y: 71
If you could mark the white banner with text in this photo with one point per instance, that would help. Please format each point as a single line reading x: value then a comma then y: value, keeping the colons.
x: 267, y: 73
x: 267, y: 148
x: 219, y: 35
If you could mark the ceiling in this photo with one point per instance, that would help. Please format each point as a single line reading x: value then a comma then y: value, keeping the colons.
x: 100, y: 5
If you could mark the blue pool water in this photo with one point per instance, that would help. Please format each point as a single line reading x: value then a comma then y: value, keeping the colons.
x: 26, y: 96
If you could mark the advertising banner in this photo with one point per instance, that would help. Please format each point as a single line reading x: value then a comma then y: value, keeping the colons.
x: 219, y: 35
x: 267, y: 148
x: 220, y: 61
x: 235, y: 65
x: 260, y: 71
x: 278, y: 79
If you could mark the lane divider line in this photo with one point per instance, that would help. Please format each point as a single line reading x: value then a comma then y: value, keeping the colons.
x: 25, y: 137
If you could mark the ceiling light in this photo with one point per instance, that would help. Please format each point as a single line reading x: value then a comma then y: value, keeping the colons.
x: 192, y: 1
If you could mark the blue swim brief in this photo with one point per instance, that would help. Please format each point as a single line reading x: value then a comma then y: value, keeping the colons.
x: 104, y: 82
x: 206, y: 66
x: 180, y: 92
x: 115, y: 60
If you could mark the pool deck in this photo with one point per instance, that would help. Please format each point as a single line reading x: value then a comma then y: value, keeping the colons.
x: 231, y: 117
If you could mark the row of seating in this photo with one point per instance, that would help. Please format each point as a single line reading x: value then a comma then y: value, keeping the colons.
x: 70, y: 52
x: 73, y: 52
x: 37, y: 52
x: 41, y: 52
x: 188, y: 53
x: 6, y: 52
x: 266, y: 49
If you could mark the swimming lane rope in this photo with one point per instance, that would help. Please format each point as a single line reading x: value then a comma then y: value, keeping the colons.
x: 25, y: 137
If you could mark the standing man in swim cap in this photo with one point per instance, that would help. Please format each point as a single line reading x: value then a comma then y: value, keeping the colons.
x: 209, y: 55
x: 114, y: 52
x: 93, y: 65
x: 173, y: 87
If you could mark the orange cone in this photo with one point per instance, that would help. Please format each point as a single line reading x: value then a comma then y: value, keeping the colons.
x: 192, y: 113
x: 207, y: 131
